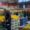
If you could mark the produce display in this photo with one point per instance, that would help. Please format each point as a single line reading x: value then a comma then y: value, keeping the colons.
x: 17, y: 21
x: 2, y: 18
x: 27, y: 27
x: 14, y: 22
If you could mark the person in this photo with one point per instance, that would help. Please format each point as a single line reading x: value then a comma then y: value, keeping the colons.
x: 23, y: 21
x: 25, y: 13
x: 16, y: 13
x: 8, y: 19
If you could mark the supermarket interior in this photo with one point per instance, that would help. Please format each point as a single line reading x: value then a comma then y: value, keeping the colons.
x: 14, y: 14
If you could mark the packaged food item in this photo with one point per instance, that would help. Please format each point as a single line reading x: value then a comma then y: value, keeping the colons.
x: 14, y: 24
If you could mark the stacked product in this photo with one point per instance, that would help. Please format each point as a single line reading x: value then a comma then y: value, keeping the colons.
x: 14, y: 23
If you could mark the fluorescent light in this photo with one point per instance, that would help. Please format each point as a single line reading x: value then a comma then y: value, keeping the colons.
x: 23, y: 0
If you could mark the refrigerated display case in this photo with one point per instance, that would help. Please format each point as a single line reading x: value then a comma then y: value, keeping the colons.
x: 2, y: 18
x: 15, y: 22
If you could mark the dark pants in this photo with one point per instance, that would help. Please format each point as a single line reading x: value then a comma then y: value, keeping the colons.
x: 6, y: 24
x: 21, y: 22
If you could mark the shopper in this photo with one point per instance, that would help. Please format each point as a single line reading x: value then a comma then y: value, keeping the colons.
x: 16, y: 13
x: 21, y: 22
x: 25, y: 13
x: 8, y: 19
